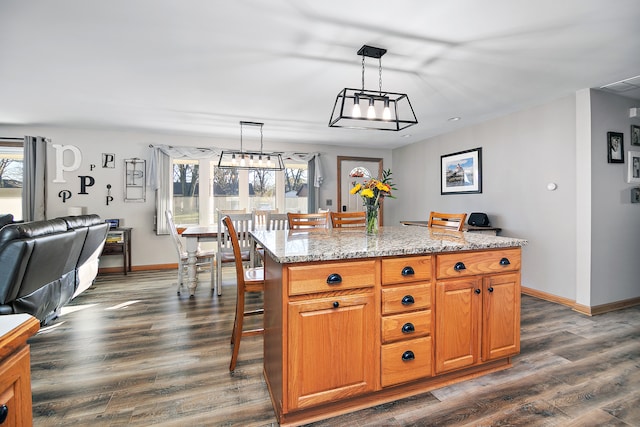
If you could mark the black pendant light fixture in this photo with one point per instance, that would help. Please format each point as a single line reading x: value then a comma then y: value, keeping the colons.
x: 370, y: 109
x: 250, y: 159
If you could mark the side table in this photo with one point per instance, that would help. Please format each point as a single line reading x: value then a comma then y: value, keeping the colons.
x: 121, y: 246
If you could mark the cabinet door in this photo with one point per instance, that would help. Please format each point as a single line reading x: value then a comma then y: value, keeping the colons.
x: 501, y: 316
x: 458, y: 305
x: 331, y: 349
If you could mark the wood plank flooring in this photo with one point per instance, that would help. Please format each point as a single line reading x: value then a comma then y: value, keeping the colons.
x: 130, y: 352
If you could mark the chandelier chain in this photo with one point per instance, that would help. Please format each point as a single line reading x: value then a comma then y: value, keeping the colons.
x: 380, y: 74
x: 363, y: 72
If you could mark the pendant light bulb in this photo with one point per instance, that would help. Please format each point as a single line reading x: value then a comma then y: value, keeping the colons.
x: 356, y: 107
x: 269, y: 161
x: 260, y: 160
x: 371, y: 111
x: 243, y: 163
x: 233, y: 159
x: 251, y: 160
x: 386, y: 113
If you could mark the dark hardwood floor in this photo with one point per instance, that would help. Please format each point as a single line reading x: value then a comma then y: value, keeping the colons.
x: 130, y: 352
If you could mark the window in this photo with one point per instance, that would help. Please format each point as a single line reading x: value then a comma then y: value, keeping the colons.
x: 296, y: 187
x: 11, y: 165
x: 185, y: 191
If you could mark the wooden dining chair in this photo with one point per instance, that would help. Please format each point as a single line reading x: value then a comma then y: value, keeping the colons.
x: 203, y: 258
x: 447, y: 220
x: 348, y: 219
x: 248, y: 280
x: 310, y: 221
x: 224, y: 255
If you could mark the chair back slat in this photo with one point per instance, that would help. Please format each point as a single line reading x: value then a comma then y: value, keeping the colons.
x: 348, y: 219
x: 308, y: 221
x: 447, y: 220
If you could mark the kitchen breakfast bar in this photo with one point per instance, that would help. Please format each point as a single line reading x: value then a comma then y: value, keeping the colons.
x: 355, y: 320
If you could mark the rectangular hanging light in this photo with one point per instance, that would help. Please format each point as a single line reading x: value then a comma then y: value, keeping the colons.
x: 369, y: 109
x: 233, y: 159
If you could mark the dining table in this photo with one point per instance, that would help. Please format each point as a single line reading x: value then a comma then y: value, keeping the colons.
x: 193, y: 236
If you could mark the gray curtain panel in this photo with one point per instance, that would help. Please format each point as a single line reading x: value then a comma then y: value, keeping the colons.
x: 34, y: 179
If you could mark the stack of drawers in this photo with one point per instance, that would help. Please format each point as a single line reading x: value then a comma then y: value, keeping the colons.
x: 407, y: 346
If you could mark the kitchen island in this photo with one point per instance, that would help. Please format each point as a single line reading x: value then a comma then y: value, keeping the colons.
x: 353, y: 320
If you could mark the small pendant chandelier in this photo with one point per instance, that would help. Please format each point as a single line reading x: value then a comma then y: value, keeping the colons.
x: 250, y: 159
x: 384, y: 110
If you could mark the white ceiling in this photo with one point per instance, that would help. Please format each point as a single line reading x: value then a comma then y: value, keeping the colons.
x: 201, y: 66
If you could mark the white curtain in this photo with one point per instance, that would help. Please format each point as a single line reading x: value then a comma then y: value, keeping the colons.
x: 34, y: 178
x: 160, y: 173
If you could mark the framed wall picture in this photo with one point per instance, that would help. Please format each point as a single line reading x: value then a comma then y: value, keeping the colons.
x: 615, y: 147
x: 461, y: 173
x: 633, y: 171
x: 635, y: 135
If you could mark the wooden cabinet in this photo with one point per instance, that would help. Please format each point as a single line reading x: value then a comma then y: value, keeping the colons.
x: 349, y: 334
x: 15, y: 369
x: 477, y: 315
x: 406, y: 336
x: 330, y: 331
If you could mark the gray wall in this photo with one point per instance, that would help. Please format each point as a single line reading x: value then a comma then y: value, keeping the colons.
x: 521, y: 154
x: 148, y: 248
x: 615, y: 231
x: 584, y: 237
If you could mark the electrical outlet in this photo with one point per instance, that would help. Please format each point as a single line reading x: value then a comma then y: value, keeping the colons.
x: 329, y: 202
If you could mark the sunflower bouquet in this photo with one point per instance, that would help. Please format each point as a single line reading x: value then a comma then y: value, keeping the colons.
x: 372, y: 192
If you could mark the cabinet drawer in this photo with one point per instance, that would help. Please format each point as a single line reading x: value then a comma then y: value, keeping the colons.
x: 406, y: 360
x: 406, y: 326
x: 409, y: 269
x: 308, y: 279
x: 473, y: 263
x: 407, y: 298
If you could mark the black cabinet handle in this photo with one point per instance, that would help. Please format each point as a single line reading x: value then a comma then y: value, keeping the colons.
x: 408, y: 271
x: 334, y: 279
x: 407, y: 300
x: 336, y: 304
x: 459, y: 266
x: 408, y: 355
x: 505, y: 261
x: 4, y: 413
x: 490, y: 289
x: 408, y: 328
x: 477, y: 291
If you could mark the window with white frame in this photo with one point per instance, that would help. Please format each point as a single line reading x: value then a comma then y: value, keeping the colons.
x: 11, y: 176
x: 235, y: 189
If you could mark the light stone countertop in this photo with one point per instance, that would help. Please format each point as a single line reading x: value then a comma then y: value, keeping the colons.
x: 286, y: 246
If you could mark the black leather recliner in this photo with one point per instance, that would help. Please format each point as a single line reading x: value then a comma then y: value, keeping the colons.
x: 40, y: 263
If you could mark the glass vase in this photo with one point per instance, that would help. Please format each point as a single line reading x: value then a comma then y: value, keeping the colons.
x: 372, y: 219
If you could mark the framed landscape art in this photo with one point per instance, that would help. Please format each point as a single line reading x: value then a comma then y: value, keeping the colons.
x: 461, y: 173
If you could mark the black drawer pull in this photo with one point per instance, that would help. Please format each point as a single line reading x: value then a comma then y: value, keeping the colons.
x: 477, y: 291
x: 490, y: 289
x: 336, y: 304
x: 4, y: 413
x: 334, y: 279
x: 505, y: 261
x: 408, y: 355
x: 408, y: 271
x: 459, y: 266
x: 408, y: 328
x: 407, y: 300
